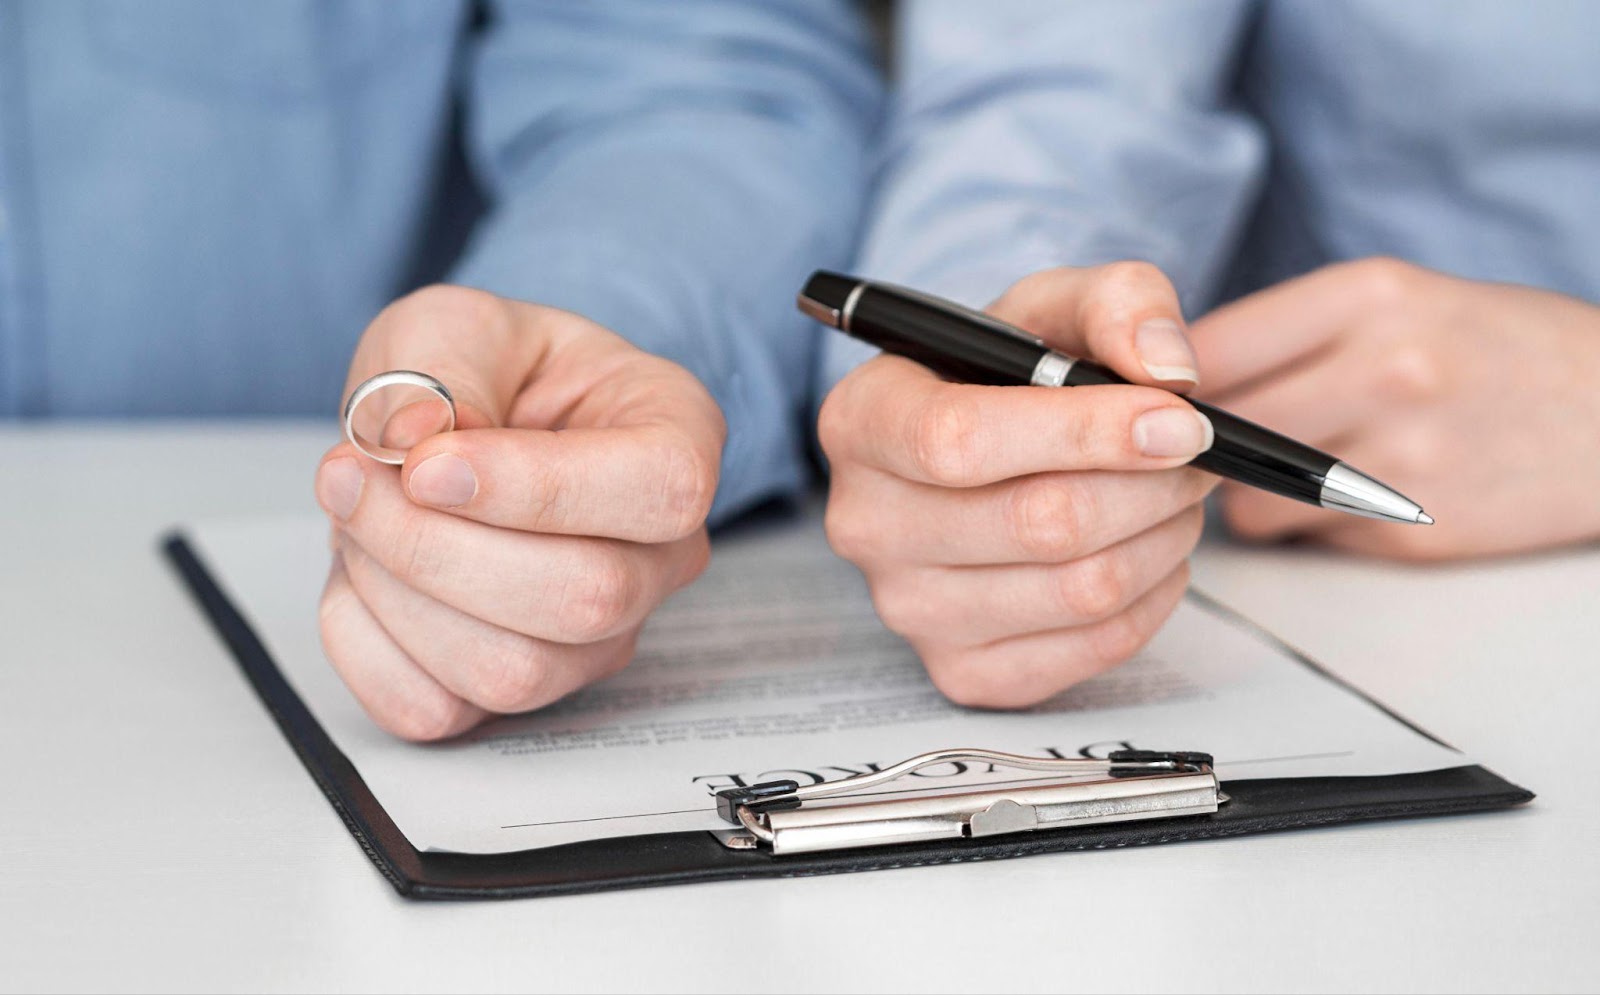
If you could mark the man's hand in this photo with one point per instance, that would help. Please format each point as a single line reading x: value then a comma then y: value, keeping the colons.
x: 1023, y: 539
x: 513, y: 560
x: 1476, y: 400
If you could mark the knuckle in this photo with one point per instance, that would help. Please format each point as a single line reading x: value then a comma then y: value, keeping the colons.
x: 449, y: 301
x: 1383, y: 281
x: 1102, y: 434
x: 962, y: 679
x: 513, y: 681
x: 1410, y: 373
x: 331, y: 610
x: 1033, y: 284
x: 902, y: 609
x: 946, y: 436
x: 1094, y: 587
x: 1131, y: 275
x: 1047, y: 518
x: 1120, y: 287
x: 545, y: 500
x: 688, y: 486
x: 615, y: 662
x: 415, y: 554
x: 1029, y: 289
x: 599, y: 598
x: 849, y: 532
x: 426, y: 717
x: 833, y: 424
x: 699, y: 558
x: 970, y: 680
x: 1118, y: 638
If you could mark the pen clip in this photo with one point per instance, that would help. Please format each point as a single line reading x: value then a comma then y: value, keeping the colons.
x: 1135, y: 784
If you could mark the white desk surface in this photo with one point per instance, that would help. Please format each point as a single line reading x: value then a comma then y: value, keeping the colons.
x: 157, y: 833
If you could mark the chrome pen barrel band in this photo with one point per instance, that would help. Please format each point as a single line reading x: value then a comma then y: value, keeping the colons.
x: 847, y: 312
x: 1052, y: 370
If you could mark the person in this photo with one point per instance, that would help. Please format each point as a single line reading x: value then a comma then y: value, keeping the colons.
x: 1395, y: 207
x: 201, y: 205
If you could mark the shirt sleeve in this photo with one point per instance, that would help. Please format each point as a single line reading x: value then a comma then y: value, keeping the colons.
x: 1027, y: 134
x: 673, y: 172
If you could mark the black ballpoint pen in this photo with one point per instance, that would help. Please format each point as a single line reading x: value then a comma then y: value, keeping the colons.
x: 969, y: 346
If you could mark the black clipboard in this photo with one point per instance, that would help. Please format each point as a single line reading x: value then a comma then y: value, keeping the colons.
x: 1254, y: 806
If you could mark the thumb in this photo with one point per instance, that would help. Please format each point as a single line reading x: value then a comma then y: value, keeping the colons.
x: 564, y: 427
x: 612, y: 442
x: 474, y: 343
x: 1123, y: 315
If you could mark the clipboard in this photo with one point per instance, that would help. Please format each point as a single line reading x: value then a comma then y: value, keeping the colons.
x: 1006, y: 829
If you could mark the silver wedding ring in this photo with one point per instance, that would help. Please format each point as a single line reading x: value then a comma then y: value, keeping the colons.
x: 393, y: 378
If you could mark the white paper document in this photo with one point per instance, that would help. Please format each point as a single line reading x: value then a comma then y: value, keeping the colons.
x: 773, y: 665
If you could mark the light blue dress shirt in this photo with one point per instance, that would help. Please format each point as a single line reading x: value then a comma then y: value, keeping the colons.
x: 203, y: 202
x: 1235, y: 144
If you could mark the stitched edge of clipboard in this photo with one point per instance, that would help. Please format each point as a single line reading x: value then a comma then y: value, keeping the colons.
x: 326, y: 764
x: 755, y: 865
x: 549, y: 872
x: 1341, y: 817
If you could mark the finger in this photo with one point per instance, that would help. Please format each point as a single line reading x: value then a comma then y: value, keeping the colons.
x: 643, y: 483
x: 398, y: 694
x: 494, y: 668
x: 395, y: 418
x: 1016, y: 673
x: 1125, y: 315
x: 1044, y: 518
x: 971, y: 606
x: 483, y: 348
x: 895, y: 415
x: 568, y: 589
x: 1283, y: 325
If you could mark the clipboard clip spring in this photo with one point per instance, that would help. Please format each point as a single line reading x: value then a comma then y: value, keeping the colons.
x: 782, y: 816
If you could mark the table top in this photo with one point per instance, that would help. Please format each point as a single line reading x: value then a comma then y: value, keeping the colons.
x: 157, y: 832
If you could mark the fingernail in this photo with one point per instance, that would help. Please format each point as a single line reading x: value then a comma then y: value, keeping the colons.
x: 339, y: 485
x: 1165, y: 351
x: 1168, y: 432
x: 444, y: 481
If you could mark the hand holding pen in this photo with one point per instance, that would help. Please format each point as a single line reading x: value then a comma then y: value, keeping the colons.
x: 1021, y: 539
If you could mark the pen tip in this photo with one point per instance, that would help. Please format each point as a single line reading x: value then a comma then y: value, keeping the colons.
x: 1423, y: 518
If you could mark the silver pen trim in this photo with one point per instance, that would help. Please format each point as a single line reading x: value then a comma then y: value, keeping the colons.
x: 1051, y: 370
x: 1346, y: 489
x: 816, y: 309
x: 850, y: 306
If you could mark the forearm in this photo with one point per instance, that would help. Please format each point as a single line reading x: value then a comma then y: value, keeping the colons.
x: 1029, y: 136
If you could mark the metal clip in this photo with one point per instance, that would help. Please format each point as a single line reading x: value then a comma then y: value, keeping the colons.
x: 1137, y: 784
